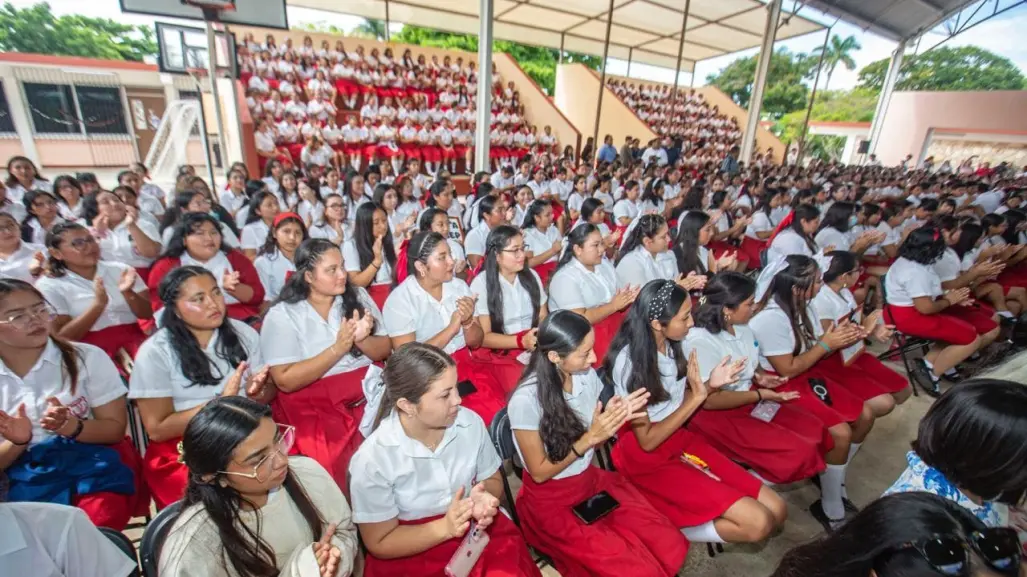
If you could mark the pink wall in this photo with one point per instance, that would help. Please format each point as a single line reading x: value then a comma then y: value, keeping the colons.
x: 911, y: 115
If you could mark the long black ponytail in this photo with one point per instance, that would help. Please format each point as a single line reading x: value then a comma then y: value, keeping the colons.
x: 499, y: 238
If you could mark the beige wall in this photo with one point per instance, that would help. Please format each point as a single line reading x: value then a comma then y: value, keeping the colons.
x: 537, y: 106
x: 911, y: 116
x: 764, y: 138
x: 577, y: 90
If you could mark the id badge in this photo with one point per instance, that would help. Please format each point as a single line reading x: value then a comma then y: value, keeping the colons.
x: 765, y: 410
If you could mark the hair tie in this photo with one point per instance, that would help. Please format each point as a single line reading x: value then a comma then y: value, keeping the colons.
x: 702, y: 300
x: 282, y: 216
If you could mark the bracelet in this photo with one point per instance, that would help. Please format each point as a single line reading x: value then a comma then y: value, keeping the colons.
x: 520, y: 339
x: 580, y: 456
x: 759, y: 395
x: 376, y: 266
x: 823, y: 344
x: 78, y: 430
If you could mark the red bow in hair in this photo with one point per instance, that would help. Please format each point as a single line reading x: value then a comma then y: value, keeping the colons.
x: 474, y: 190
x: 282, y: 216
x: 401, y: 261
x: 288, y: 275
x: 785, y: 223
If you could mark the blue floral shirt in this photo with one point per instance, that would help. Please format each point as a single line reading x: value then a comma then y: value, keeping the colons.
x: 918, y: 476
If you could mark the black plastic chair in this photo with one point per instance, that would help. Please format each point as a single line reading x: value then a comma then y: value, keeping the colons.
x: 902, y: 344
x: 502, y: 439
x: 603, y: 453
x: 125, y: 544
x: 154, y: 535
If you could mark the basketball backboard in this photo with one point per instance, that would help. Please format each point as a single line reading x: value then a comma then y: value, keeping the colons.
x: 181, y: 48
x: 262, y: 13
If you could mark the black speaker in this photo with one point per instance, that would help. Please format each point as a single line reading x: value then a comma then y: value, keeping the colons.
x: 864, y: 147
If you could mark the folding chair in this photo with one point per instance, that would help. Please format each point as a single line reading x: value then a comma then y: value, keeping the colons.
x: 603, y: 454
x: 902, y: 344
x: 154, y: 535
x: 125, y: 544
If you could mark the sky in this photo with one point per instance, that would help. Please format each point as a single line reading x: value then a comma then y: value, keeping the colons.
x: 1002, y: 35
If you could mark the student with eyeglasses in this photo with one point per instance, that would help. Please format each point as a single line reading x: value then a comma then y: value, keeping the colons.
x: 908, y: 534
x: 19, y: 259
x: 249, y: 508
x: 42, y: 215
x: 62, y: 416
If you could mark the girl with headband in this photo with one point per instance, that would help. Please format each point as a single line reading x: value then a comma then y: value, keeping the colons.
x: 276, y: 259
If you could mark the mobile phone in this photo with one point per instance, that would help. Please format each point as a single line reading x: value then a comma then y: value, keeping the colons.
x: 465, y: 388
x: 819, y: 388
x: 467, y: 554
x: 595, y: 507
x: 766, y: 410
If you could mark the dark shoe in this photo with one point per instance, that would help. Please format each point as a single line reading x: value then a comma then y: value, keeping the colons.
x: 849, y: 505
x: 923, y: 377
x: 817, y: 510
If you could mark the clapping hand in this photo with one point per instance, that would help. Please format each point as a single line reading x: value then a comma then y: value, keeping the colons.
x: 234, y: 383
x: 464, y: 312
x: 362, y: 326
x: 56, y: 416
x: 727, y: 261
x: 769, y: 381
x: 17, y: 428
x: 626, y: 296
x: 230, y: 281
x: 484, y: 505
x: 127, y: 280
x: 99, y: 292
x: 327, y: 554
x: 37, y: 263
x: 693, y: 281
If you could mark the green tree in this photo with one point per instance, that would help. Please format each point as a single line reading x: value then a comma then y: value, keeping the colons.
x: 855, y: 105
x: 320, y: 26
x: 946, y: 68
x: 370, y: 28
x: 36, y: 30
x: 838, y: 52
x: 786, y: 90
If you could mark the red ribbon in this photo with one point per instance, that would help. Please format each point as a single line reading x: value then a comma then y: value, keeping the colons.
x: 401, y: 261
x: 785, y: 223
x: 282, y: 216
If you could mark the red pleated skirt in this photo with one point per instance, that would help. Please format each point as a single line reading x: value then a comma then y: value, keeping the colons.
x: 845, y: 406
x: 379, y: 293
x: 503, y: 364
x: 719, y: 248
x: 956, y: 325
x: 242, y: 311
x: 545, y: 270
x: 787, y: 449
x: 326, y: 414
x: 752, y: 248
x: 489, y: 397
x: 114, y: 510
x: 164, y: 475
x: 686, y: 495
x: 506, y: 555
x: 111, y: 339
x: 605, y: 330
x: 866, y: 377
x: 634, y: 539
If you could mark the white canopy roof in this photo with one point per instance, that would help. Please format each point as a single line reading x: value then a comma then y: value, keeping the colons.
x: 649, y: 29
x: 892, y: 19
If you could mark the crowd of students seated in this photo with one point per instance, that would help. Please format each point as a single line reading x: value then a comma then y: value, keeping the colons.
x: 351, y: 336
x: 333, y: 107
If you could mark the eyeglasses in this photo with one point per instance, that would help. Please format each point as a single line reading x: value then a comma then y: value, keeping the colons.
x: 950, y: 555
x: 265, y: 467
x: 23, y: 320
x: 81, y: 242
x: 514, y: 250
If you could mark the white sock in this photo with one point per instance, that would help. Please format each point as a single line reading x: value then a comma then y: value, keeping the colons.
x: 395, y: 165
x: 1006, y: 314
x: 930, y: 367
x: 853, y: 449
x: 760, y: 477
x: 831, y: 482
x: 452, y: 167
x: 705, y: 533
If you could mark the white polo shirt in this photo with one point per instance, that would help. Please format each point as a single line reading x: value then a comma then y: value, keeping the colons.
x: 787, y: 242
x: 711, y: 348
x: 49, y: 540
x: 832, y: 305
x: 625, y: 209
x: 254, y: 235
x: 327, y: 232
x: 773, y: 331
x: 410, y: 309
x: 907, y: 280
x: 294, y: 332
x: 517, y: 306
x: 639, y: 267
x: 476, y: 240
x: 833, y: 237
x: 17, y: 264
x: 273, y: 269
x: 116, y: 245
x: 675, y: 387
x: 393, y: 476
x: 157, y: 373
x: 218, y: 265
x: 948, y: 266
x: 99, y: 383
x: 537, y: 242
x: 760, y: 223
x: 575, y: 287
x: 351, y: 258
x: 526, y: 413
x: 72, y: 295
x: 233, y: 202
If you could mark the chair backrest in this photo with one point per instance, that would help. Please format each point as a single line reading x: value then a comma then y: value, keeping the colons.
x: 884, y: 299
x: 607, y: 393
x: 502, y: 435
x: 763, y: 258
x: 124, y: 543
x: 154, y: 535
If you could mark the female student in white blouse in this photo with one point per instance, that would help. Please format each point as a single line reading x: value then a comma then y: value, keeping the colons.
x: 724, y: 503
x: 193, y: 202
x: 784, y: 446
x: 955, y: 271
x: 18, y: 259
x: 645, y: 256
x: 691, y: 251
x: 762, y: 224
x: 795, y: 234
x: 557, y: 422
x: 491, y: 213
x: 42, y: 216
x: 264, y: 207
x: 22, y: 177
x: 627, y: 208
x: 370, y: 254
x: 97, y: 302
x: 586, y: 283
x: 319, y: 339
x: 511, y: 301
x: 880, y: 387
x: 436, y: 220
x: 249, y: 508
x: 123, y: 235
x: 542, y: 239
x: 69, y: 197
x: 427, y: 473
x: 198, y: 354
x: 62, y: 402
x: 792, y: 344
x: 431, y: 306
x: 275, y: 260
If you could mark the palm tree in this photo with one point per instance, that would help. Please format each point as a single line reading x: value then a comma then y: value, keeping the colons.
x: 838, y: 52
x: 371, y: 28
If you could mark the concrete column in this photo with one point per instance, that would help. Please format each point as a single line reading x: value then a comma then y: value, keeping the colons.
x: 760, y: 82
x: 482, y: 130
x: 890, y: 79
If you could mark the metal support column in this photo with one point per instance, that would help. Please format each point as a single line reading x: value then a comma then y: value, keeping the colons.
x: 388, y: 23
x: 602, y: 78
x: 760, y: 82
x: 890, y: 79
x: 484, y: 118
x: 562, y: 38
x: 681, y: 50
x: 212, y: 73
x: 812, y: 98
x: 630, y: 54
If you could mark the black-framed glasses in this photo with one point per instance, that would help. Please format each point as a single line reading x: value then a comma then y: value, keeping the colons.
x: 81, y: 242
x: 998, y: 547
